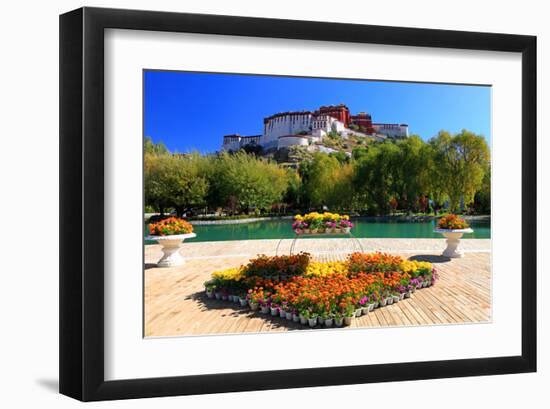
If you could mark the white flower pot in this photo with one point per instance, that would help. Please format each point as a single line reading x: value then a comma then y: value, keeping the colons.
x: 218, y: 296
x: 288, y: 316
x: 303, y: 320
x: 338, y: 322
x: 453, y: 241
x: 243, y: 302
x: 358, y: 312
x: 170, y: 249
x: 365, y: 310
x: 254, y: 306
x: 295, y: 318
x: 396, y: 298
x: 389, y: 301
x: 312, y: 322
x: 282, y: 313
x: 328, y: 322
x: 210, y: 294
x: 371, y: 307
x: 347, y: 320
x: 274, y: 311
x: 320, y: 320
x: 264, y: 309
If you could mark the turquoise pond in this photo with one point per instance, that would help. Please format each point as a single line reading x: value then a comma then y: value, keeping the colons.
x: 364, y: 228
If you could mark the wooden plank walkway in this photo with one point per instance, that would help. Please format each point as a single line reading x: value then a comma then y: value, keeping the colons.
x: 175, y: 303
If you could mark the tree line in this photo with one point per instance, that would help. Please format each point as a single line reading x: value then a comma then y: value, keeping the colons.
x: 408, y: 175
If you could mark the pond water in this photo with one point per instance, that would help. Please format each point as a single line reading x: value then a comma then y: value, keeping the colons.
x: 363, y: 228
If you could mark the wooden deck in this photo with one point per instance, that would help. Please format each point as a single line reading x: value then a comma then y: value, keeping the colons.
x: 175, y: 303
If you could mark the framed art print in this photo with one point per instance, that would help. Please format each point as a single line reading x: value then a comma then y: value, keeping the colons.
x: 255, y: 204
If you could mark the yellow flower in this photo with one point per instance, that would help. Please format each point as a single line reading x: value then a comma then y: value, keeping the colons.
x: 235, y: 274
x: 319, y: 269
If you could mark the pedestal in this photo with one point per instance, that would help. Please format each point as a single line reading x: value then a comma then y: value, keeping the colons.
x: 170, y: 249
x: 453, y: 242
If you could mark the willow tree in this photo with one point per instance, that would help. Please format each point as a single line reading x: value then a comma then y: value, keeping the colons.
x: 327, y: 182
x: 376, y: 178
x: 461, y: 161
x: 243, y: 182
x: 176, y: 181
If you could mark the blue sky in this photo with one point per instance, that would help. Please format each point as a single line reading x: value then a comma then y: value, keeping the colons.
x: 192, y: 111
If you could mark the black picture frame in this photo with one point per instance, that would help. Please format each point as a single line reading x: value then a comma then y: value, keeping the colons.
x: 82, y: 199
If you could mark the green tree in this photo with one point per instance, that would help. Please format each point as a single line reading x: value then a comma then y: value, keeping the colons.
x: 375, y: 176
x: 462, y: 161
x: 321, y: 177
x: 243, y: 182
x: 412, y: 171
x: 482, y: 198
x: 155, y: 148
x: 174, y: 181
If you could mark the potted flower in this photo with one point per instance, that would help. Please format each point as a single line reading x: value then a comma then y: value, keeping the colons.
x: 345, y: 225
x: 252, y: 301
x: 452, y: 227
x: 274, y: 308
x: 170, y: 234
x: 349, y: 313
x: 295, y: 317
x: 264, y: 308
x: 338, y: 320
x: 299, y: 226
x: 364, y: 303
x: 304, y: 316
x: 312, y: 320
x: 225, y: 296
x: 209, y: 287
x: 330, y: 226
x: 321, y: 318
x: 288, y: 315
x: 328, y: 321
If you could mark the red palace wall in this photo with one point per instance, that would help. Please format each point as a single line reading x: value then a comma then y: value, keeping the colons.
x: 364, y: 122
x: 339, y: 112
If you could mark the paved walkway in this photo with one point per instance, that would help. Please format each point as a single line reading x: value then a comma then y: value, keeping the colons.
x: 175, y: 303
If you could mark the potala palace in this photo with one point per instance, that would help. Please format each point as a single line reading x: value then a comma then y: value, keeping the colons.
x: 309, y: 127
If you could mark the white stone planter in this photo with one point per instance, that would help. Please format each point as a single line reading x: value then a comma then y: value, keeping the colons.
x: 453, y: 241
x: 170, y: 248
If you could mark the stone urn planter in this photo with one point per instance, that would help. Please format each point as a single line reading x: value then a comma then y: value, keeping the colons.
x: 453, y: 241
x: 170, y: 248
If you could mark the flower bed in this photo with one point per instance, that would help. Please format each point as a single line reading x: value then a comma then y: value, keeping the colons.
x: 322, y: 223
x: 316, y: 293
x: 170, y: 227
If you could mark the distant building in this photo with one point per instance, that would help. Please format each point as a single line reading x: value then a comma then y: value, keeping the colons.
x: 305, y: 127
